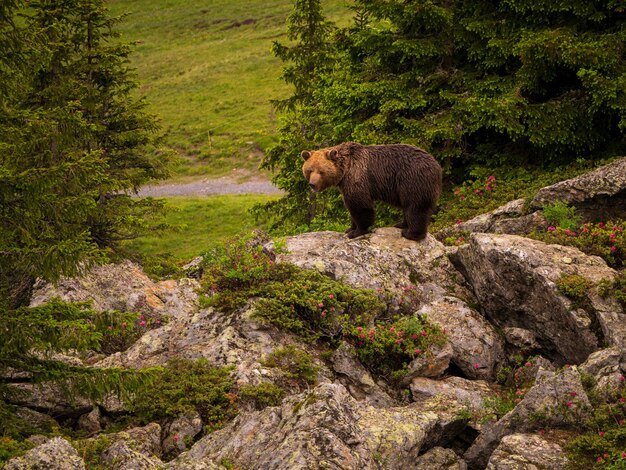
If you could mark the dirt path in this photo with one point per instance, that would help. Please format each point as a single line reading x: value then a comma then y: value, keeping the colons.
x: 205, y: 187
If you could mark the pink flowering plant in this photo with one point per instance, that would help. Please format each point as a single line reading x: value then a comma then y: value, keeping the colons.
x: 386, y: 348
x: 604, y: 239
x: 602, y: 444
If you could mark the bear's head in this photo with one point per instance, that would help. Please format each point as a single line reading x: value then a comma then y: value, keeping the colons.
x: 321, y: 168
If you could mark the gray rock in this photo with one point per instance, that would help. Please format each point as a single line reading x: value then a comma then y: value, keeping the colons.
x: 515, y: 280
x: 327, y: 428
x: 49, y: 397
x: 509, y: 218
x: 439, y: 458
x: 357, y: 379
x: 477, y: 349
x: 382, y: 259
x: 604, y: 366
x: 526, y: 452
x: 468, y: 394
x: 90, y: 422
x: 134, y: 448
x: 123, y: 287
x: 121, y: 456
x: 55, y: 454
x: 598, y: 194
x: 432, y: 364
x: 177, y: 432
x: 557, y: 400
x: 223, y: 339
x: 39, y: 422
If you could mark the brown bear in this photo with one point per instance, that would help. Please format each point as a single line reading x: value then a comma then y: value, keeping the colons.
x: 402, y: 175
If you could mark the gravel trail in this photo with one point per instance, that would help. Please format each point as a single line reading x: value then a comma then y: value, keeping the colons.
x: 224, y: 185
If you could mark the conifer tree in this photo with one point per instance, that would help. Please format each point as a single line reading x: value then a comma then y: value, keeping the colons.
x: 74, y: 144
x: 74, y: 141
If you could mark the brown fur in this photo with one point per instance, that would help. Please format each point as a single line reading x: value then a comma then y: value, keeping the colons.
x: 402, y: 175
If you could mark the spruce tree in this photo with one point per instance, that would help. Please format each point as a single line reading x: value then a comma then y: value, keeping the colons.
x: 74, y: 142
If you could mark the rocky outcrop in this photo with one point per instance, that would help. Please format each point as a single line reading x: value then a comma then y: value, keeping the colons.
x: 526, y: 452
x: 55, y: 454
x: 600, y: 193
x: 328, y: 428
x: 384, y: 260
x: 557, y: 400
x: 515, y: 281
x: 124, y: 287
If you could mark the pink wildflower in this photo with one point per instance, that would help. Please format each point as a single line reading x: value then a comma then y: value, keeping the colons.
x: 331, y: 296
x: 551, y: 229
x: 418, y: 351
x: 320, y: 305
x: 142, y: 323
x: 323, y: 313
x: 424, y: 333
x: 413, y: 336
x: 573, y: 394
x: 601, y: 434
x: 477, y: 366
x: 569, y: 404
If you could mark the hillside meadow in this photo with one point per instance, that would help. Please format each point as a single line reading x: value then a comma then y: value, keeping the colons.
x: 206, y: 69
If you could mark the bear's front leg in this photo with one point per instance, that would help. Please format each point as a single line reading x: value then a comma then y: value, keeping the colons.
x: 362, y: 219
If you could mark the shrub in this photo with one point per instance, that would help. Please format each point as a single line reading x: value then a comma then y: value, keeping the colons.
x: 615, y: 288
x: 302, y: 301
x: 387, y: 348
x: 604, y: 239
x: 297, y: 365
x: 187, y: 386
x: 262, y: 395
x: 561, y: 215
x: 602, y: 444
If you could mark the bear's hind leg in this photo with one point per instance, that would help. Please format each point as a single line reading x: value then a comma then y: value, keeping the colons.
x: 417, y: 221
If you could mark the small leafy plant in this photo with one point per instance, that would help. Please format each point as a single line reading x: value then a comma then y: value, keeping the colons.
x: 562, y: 215
x: 262, y: 395
x: 297, y: 364
x: 604, y: 239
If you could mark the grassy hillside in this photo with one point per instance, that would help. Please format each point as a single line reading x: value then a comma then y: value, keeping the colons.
x: 205, y: 67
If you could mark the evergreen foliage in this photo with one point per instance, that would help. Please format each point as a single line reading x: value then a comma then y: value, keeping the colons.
x: 74, y: 141
x: 514, y: 82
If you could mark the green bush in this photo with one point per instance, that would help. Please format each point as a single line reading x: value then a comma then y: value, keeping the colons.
x: 602, y: 442
x: 302, y: 301
x: 297, y: 365
x: 387, y: 348
x: 262, y: 395
x: 187, y: 386
x: 562, y: 215
x: 604, y: 239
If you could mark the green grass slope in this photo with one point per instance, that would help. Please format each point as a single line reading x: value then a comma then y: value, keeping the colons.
x: 206, y: 68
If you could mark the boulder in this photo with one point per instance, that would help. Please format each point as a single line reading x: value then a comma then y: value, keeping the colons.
x: 527, y: 452
x: 601, y: 193
x: 177, y: 432
x: 477, y: 349
x: 90, y: 422
x: 557, y: 400
x: 469, y: 394
x: 515, y: 280
x: 121, y: 456
x: 224, y: 339
x: 54, y: 454
x: 382, y: 259
x: 439, y: 458
x: 511, y: 218
x: 356, y: 378
x: 327, y: 428
x: 124, y: 287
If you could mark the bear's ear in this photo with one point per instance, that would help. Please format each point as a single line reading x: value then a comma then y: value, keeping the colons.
x: 332, y: 155
x: 305, y: 155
